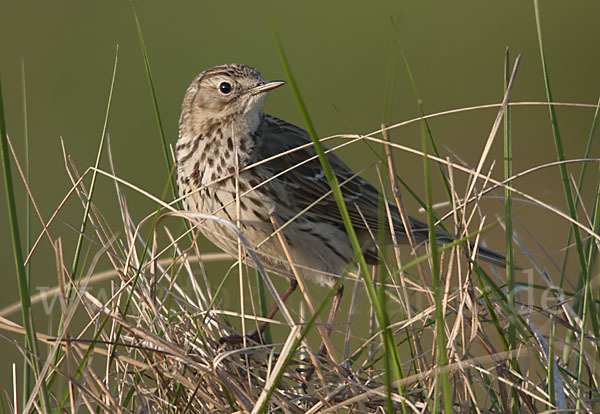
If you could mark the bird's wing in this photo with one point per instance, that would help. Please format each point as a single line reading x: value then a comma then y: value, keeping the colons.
x: 308, y: 182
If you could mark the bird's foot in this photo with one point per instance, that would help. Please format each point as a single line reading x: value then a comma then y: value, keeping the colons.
x: 307, y: 369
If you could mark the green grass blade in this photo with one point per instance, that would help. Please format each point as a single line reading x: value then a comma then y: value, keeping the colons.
x: 586, y: 154
x: 23, y: 284
x: 163, y: 140
x: 262, y: 305
x: 585, y: 276
x: 82, y: 366
x: 441, y: 358
x: 138, y: 271
x: 383, y: 275
x: 413, y: 83
x: 388, y: 339
x: 588, y: 303
x: 88, y: 203
x: 510, y: 261
x: 26, y: 369
x: 564, y: 174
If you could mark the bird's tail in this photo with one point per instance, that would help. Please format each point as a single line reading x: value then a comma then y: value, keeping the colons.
x: 484, y: 253
x: 420, y: 232
x: 490, y: 256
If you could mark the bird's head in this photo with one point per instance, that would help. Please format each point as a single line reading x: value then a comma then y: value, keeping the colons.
x: 226, y: 92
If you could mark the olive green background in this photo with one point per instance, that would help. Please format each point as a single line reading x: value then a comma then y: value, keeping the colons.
x: 341, y: 53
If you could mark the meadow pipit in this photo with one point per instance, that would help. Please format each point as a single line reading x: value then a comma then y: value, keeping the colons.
x: 224, y: 137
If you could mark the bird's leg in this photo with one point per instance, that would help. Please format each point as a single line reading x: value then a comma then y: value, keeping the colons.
x: 256, y: 336
x: 337, y: 299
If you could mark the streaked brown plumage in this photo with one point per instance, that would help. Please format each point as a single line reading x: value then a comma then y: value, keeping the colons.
x: 222, y: 119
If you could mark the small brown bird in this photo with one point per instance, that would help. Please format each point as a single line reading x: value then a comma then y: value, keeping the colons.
x: 222, y: 131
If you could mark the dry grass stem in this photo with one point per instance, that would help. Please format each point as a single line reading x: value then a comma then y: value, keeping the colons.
x: 143, y: 335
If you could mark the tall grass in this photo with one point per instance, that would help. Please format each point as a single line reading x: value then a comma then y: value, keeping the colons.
x: 450, y: 333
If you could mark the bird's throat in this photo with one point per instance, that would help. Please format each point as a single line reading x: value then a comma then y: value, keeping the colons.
x: 216, y: 149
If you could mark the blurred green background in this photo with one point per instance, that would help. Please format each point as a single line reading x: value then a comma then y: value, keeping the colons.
x: 341, y: 53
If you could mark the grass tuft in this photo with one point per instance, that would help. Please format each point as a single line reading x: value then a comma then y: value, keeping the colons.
x: 434, y: 330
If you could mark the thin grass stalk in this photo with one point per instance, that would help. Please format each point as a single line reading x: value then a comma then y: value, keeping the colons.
x: 26, y: 367
x: 580, y: 359
x: 94, y: 218
x: 161, y: 131
x: 443, y: 173
x: 414, y: 343
x: 586, y: 154
x: 88, y: 203
x: 389, y: 87
x: 112, y: 355
x: 564, y: 174
x: 217, y: 293
x: 388, y: 338
x: 583, y: 168
x: 138, y: 272
x: 23, y: 284
x: 56, y: 341
x: 490, y: 289
x: 510, y: 253
x: 584, y: 278
x: 588, y: 301
x: 81, y: 367
x: 592, y: 251
x: 442, y: 379
x: 383, y: 276
x: 238, y: 214
x: 492, y: 294
x: 262, y: 305
x: 89, y: 352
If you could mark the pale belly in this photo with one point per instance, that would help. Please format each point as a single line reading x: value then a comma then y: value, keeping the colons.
x: 316, y: 251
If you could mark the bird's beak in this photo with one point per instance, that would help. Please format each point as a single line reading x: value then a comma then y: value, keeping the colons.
x: 267, y: 86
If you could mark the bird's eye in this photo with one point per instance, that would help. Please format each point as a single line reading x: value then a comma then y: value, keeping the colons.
x: 225, y: 88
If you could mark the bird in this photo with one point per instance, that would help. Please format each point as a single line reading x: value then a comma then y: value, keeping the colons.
x: 227, y: 145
